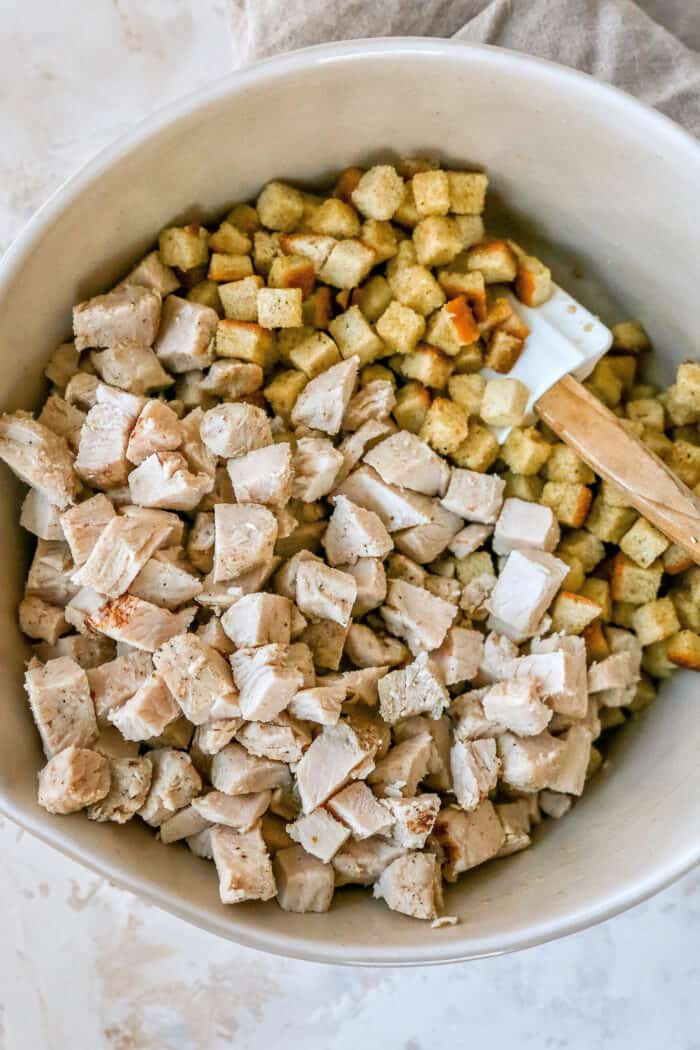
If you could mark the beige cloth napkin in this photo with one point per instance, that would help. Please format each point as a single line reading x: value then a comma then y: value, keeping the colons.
x: 615, y: 40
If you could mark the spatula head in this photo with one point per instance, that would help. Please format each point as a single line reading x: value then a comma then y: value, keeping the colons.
x: 564, y: 339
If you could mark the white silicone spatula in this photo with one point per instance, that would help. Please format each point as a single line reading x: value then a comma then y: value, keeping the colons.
x: 564, y: 344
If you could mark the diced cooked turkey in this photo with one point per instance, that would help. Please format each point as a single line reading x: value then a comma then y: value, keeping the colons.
x: 398, y: 508
x: 515, y: 818
x: 322, y: 403
x: 73, y: 779
x: 130, y: 367
x: 403, y: 459
x: 104, y: 438
x: 266, y: 680
x: 130, y: 780
x: 360, y: 686
x: 241, y: 812
x: 459, y: 657
x: 373, y: 402
x: 326, y: 641
x: 315, y: 467
x: 516, y: 704
x: 129, y: 314
x: 83, y: 525
x: 243, y: 865
x: 163, y: 481
x: 200, y: 459
x: 362, y: 862
x: 42, y: 621
x: 425, y: 543
x: 614, y: 672
x: 304, y: 883
x: 403, y: 767
x: 570, y: 773
x: 50, y: 574
x: 524, y: 591
x: 559, y: 665
x: 122, y: 549
x: 157, y: 429
x: 236, y: 772
x: 87, y: 650
x: 319, y: 833
x: 152, y: 273
x: 234, y: 429
x: 82, y: 607
x: 146, y: 713
x: 466, y: 840
x: 325, y: 593
x: 416, y: 615
x: 174, y: 784
x: 328, y: 764
x: 198, y: 677
x: 469, y: 539
x: 39, y: 457
x: 475, y: 767
x: 370, y: 576
x: 263, y: 475
x: 365, y: 648
x: 524, y: 525
x: 174, y: 524
x: 357, y: 808
x: 60, y: 700
x: 139, y: 623
x: 354, y: 445
x: 412, y: 885
x: 258, y: 619
x: 322, y: 704
x: 553, y: 804
x: 82, y: 389
x: 354, y: 532
x: 40, y: 517
x: 184, y: 824
x: 474, y: 496
x: 529, y: 763
x: 64, y: 419
x: 283, y: 740
x: 439, y: 776
x: 412, y: 690
x: 114, y: 682
x: 498, y: 658
x: 186, y: 334
x: 245, y: 537
x: 166, y: 582
x: 413, y: 819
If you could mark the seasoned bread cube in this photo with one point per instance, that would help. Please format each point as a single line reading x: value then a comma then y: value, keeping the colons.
x: 246, y: 341
x: 314, y: 354
x: 453, y: 327
x: 643, y: 543
x: 517, y: 706
x: 478, y: 451
x: 445, y: 426
x: 533, y: 281
x: 503, y: 350
x: 239, y: 298
x: 504, y: 402
x: 633, y: 584
x: 280, y: 307
x: 415, y: 286
x: 283, y: 391
x: 655, y: 621
x: 412, y: 885
x: 563, y: 464
x: 379, y: 192
x: 570, y: 501
x: 609, y: 523
x: 467, y: 192
x: 431, y: 192
x: 226, y: 267
x: 630, y: 335
x: 683, y: 649
x: 348, y: 264
x: 400, y: 327
x: 437, y: 240
x: 571, y: 613
x: 184, y: 247
x: 280, y: 207
x: 73, y: 779
x: 355, y: 337
x: 495, y: 260
x: 336, y: 219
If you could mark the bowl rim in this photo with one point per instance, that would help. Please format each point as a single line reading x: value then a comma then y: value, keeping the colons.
x: 665, y: 870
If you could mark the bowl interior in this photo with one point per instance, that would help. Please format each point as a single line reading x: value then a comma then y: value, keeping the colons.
x: 607, y: 192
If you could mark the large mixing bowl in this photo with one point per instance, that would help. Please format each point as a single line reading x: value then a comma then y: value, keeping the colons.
x: 609, y: 190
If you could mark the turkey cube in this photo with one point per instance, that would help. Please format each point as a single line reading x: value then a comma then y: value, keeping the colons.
x: 370, y: 576
x: 354, y: 532
x: 60, y: 701
x: 73, y: 779
x: 152, y: 273
x: 164, y: 481
x: 403, y: 459
x: 319, y: 833
x: 147, y: 712
x: 498, y: 659
x: 412, y: 885
x: 374, y: 401
x: 243, y: 865
x: 459, y: 657
x: 174, y: 784
x: 362, y: 862
x: 40, y: 517
x: 529, y: 763
x: 132, y: 368
x: 263, y: 475
x: 257, y: 619
x: 266, y: 680
x: 184, y: 824
x: 321, y: 704
x: 439, y: 776
x: 138, y: 623
x: 425, y: 543
x: 101, y: 461
x: 356, y: 806
x: 212, y: 737
x: 398, y: 508
x: 233, y: 429
x: 402, y: 769
x: 474, y: 496
x: 245, y: 536
x: 467, y: 839
x: 475, y: 767
x: 416, y: 615
x: 241, y: 812
x: 413, y: 819
x: 199, y: 678
x: 325, y: 593
x: 564, y: 682
x: 322, y: 403
x: 326, y: 641
x: 38, y: 619
x: 38, y: 457
x: 157, y: 429
x: 304, y: 883
x: 328, y: 764
x: 130, y: 780
x: 516, y: 704
x: 50, y: 574
x: 524, y: 591
x: 315, y: 467
x: 523, y: 525
x: 63, y: 419
x: 283, y: 740
x: 236, y: 772
x: 186, y: 335
x: 614, y: 672
x: 412, y: 690
x: 364, y: 648
x: 570, y: 774
x: 122, y: 549
x: 115, y: 681
x: 166, y: 582
x: 129, y: 314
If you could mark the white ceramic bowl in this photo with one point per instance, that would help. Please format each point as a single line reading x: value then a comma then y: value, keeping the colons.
x: 611, y: 189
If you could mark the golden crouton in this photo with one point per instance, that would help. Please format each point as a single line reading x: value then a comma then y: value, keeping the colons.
x: 317, y: 310
x: 354, y: 335
x: 445, y: 426
x: 655, y: 660
x: 622, y: 614
x: 599, y: 591
x: 469, y: 285
x: 207, y: 294
x: 575, y: 578
x: 245, y: 218
x: 467, y: 192
x: 283, y: 391
x: 431, y: 192
x: 240, y: 298
x: 604, y: 383
x: 533, y: 281
x: 688, y: 383
x: 470, y: 359
x: 184, y: 246
x: 426, y: 364
x: 315, y: 354
x: 379, y: 192
x: 643, y: 543
x: 373, y: 297
x: 683, y: 649
x: 655, y: 620
x: 292, y: 271
x: 400, y: 327
x: 676, y: 560
x: 246, y: 341
x: 437, y: 240
x: 609, y: 523
x: 280, y: 207
x: 569, y: 501
x: 645, y: 694
x: 678, y: 409
x: 478, y: 451
x: 230, y: 240
x: 347, y: 182
x: 280, y: 307
x: 523, y: 486
x: 412, y: 403
x: 631, y: 583
x: 564, y: 465
x: 495, y: 260
x: 348, y: 264
x: 597, y: 647
x: 583, y: 545
x: 525, y: 451
x: 684, y: 460
x: 630, y: 335
x: 380, y: 237
x: 571, y: 613
x: 502, y: 351
x: 416, y: 287
x: 468, y: 391
x: 504, y: 402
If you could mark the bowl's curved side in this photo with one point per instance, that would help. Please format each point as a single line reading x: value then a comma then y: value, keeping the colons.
x: 608, y: 182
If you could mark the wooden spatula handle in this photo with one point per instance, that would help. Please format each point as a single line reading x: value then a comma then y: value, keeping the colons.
x: 600, y: 439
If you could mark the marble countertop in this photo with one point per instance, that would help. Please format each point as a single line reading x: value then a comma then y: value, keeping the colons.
x: 85, y: 965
